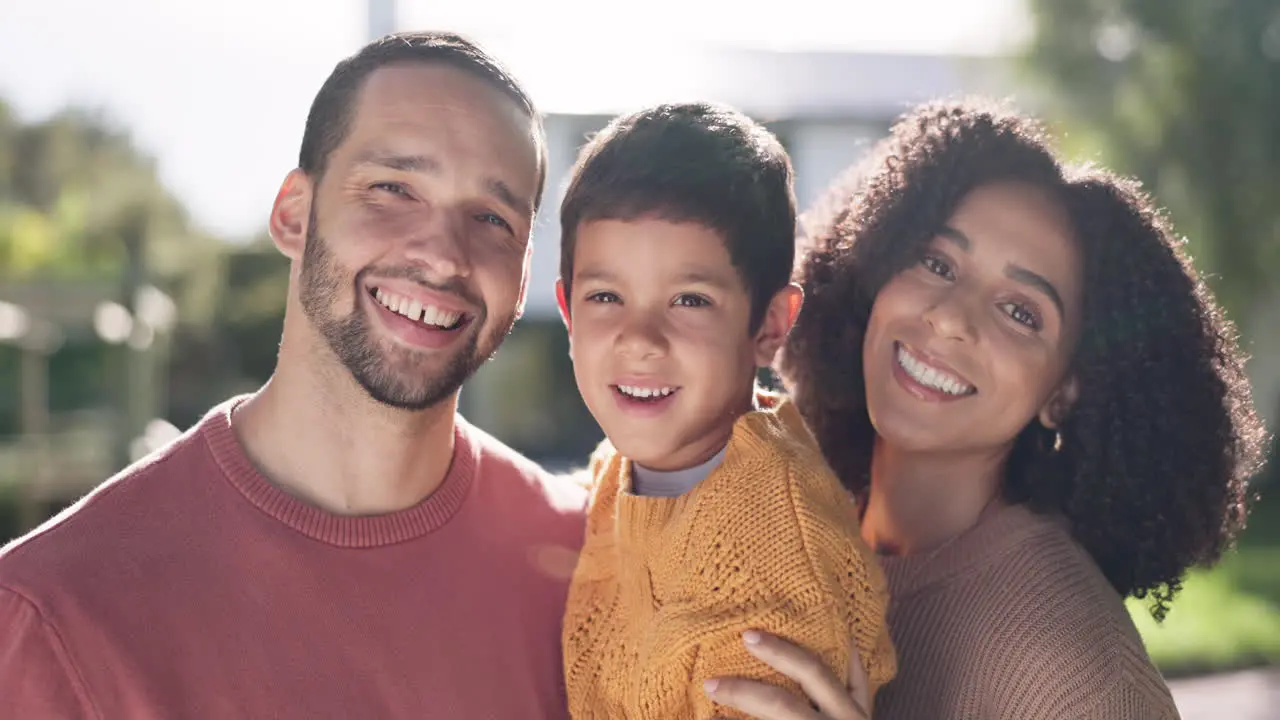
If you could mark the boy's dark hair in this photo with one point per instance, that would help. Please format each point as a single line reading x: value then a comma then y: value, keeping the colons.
x: 697, y: 162
x: 331, y: 112
x: 1157, y: 450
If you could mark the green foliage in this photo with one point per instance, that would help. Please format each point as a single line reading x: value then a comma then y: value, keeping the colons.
x: 77, y: 199
x: 1186, y: 95
x: 1227, y: 617
x: 74, y: 191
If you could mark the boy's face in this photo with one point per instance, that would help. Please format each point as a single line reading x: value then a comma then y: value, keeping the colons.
x: 659, y: 335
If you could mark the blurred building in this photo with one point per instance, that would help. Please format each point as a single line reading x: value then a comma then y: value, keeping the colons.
x: 827, y: 108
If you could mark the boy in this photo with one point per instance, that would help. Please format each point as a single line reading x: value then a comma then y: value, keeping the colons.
x: 712, y: 510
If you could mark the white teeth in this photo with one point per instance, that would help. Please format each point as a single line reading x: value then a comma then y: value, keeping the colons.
x: 931, y: 377
x: 642, y: 392
x: 416, y: 310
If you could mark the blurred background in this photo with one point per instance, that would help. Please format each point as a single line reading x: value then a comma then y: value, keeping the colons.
x: 142, y: 142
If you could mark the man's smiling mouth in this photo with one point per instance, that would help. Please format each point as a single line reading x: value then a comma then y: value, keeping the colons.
x: 429, y: 315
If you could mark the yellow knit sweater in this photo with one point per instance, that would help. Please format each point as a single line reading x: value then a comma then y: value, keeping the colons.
x: 665, y: 587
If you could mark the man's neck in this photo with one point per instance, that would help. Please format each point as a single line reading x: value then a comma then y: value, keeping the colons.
x: 920, y: 502
x: 315, y: 433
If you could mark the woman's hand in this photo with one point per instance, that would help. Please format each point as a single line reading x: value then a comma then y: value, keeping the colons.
x: 830, y: 699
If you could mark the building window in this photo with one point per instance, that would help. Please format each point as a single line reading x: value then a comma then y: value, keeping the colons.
x: 526, y: 396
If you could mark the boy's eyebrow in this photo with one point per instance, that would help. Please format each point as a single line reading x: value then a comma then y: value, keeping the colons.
x: 704, y: 277
x: 692, y: 277
x: 594, y: 274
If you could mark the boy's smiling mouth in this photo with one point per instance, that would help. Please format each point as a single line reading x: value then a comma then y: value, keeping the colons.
x: 644, y: 399
x: 639, y: 392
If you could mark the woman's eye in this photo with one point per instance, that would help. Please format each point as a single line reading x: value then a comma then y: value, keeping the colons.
x: 1022, y: 315
x: 937, y: 266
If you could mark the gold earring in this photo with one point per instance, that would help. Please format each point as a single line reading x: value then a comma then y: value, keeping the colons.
x: 1057, y: 441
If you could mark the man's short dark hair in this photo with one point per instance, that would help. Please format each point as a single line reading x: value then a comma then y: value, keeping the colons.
x: 331, y: 113
x: 697, y: 162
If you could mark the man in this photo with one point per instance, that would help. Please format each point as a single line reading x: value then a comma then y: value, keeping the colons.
x: 339, y: 544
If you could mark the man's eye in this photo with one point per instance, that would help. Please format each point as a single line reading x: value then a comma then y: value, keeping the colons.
x: 391, y: 187
x: 496, y: 220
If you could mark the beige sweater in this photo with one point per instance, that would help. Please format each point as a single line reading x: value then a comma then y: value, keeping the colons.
x: 1014, y: 620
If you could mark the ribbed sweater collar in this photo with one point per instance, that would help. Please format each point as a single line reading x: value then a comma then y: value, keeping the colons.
x: 1000, y: 532
x: 339, y: 530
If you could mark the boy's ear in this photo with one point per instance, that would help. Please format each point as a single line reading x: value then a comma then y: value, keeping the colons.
x: 290, y: 214
x: 778, y: 319
x: 563, y: 303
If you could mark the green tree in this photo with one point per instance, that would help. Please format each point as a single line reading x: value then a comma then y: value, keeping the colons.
x: 77, y: 199
x: 75, y: 191
x: 1185, y: 94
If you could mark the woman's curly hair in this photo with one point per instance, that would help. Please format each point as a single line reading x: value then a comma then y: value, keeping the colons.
x: 1159, y: 446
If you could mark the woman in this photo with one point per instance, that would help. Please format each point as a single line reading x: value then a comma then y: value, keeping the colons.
x: 1015, y: 367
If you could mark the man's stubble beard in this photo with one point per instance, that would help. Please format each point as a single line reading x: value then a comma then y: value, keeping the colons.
x: 373, y: 367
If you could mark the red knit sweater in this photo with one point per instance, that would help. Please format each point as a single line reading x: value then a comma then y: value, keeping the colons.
x: 189, y: 586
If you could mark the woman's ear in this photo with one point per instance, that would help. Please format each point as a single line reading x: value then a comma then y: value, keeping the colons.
x: 1059, y: 405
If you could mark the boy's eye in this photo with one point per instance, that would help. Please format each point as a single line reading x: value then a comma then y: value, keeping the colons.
x: 691, y: 300
x: 603, y: 296
x: 937, y: 265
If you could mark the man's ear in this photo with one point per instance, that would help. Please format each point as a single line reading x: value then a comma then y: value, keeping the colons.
x: 290, y: 214
x: 1058, y: 406
x: 562, y: 302
x: 779, y: 316
x: 524, y: 279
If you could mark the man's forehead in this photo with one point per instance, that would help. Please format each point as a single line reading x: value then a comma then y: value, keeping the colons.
x: 425, y: 117
x: 403, y: 92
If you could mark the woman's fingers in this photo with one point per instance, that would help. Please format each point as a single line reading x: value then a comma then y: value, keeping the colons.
x: 828, y: 697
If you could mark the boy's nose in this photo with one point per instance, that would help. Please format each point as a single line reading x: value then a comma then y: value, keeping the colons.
x: 642, y: 337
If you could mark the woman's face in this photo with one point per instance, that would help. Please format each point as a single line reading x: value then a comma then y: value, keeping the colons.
x: 965, y: 347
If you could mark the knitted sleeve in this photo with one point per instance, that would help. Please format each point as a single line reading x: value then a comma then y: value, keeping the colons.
x: 785, y: 558
x: 37, y: 679
x: 1060, y: 647
x: 1130, y: 700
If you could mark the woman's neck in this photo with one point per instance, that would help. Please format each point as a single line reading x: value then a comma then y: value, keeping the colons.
x: 919, y: 502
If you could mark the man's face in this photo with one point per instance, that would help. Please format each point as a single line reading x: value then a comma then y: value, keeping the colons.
x: 417, y: 241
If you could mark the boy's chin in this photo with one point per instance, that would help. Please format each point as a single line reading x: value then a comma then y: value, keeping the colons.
x: 650, y: 455
x: 644, y: 454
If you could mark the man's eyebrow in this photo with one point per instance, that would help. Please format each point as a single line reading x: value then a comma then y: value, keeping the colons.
x: 508, y: 197
x: 404, y: 163
x: 500, y: 190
